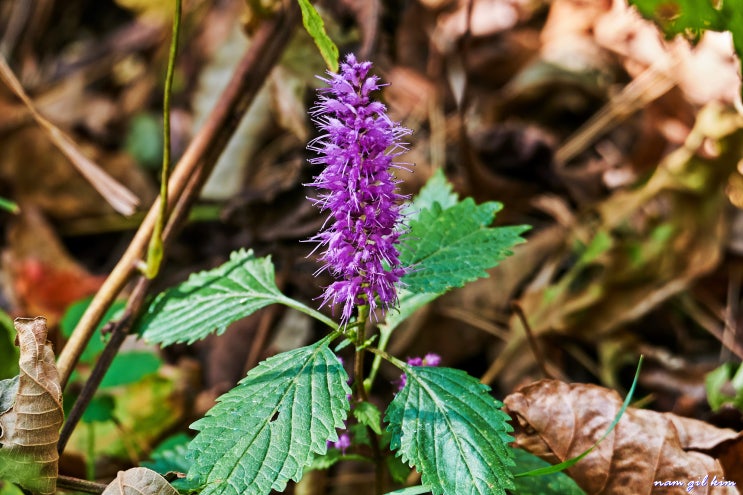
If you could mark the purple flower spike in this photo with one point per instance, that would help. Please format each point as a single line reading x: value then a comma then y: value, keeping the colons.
x: 357, y: 147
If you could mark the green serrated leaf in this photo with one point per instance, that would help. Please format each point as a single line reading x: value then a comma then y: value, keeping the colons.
x: 369, y: 415
x: 436, y: 190
x: 549, y: 484
x: 446, y: 424
x: 209, y: 301
x: 315, y: 26
x: 325, y: 461
x: 266, y: 430
x: 449, y: 247
x: 360, y: 434
x: 409, y: 303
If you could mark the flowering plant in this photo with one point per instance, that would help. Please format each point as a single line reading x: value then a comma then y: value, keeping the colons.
x: 357, y: 147
x: 286, y: 415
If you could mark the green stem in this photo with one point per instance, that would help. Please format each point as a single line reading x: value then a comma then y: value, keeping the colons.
x: 360, y: 350
x: 288, y: 301
x: 392, y: 359
x: 155, y: 248
x: 384, y: 338
x: 90, y: 452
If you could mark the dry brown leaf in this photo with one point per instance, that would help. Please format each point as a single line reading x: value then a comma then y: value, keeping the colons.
x: 558, y: 421
x: 30, y: 423
x: 139, y: 481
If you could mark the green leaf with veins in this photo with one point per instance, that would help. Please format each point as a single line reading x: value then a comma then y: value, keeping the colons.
x: 266, y: 430
x: 209, y: 301
x: 445, y: 423
x: 447, y: 248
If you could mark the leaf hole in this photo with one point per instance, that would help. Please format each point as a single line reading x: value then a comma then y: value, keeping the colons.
x: 274, y: 417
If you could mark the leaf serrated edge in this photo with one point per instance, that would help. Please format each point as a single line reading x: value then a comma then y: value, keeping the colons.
x: 396, y: 430
x: 339, y: 416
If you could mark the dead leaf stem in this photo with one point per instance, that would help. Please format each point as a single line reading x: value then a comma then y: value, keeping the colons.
x: 538, y: 356
x: 118, y: 196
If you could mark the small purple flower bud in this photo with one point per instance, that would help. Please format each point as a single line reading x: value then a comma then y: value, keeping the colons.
x: 357, y: 147
x: 415, y: 361
x: 344, y: 441
x: 431, y: 359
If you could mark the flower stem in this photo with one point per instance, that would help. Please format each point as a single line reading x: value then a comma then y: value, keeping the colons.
x: 155, y: 249
x: 360, y: 350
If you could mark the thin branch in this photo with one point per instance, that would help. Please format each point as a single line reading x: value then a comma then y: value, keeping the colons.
x: 185, y: 183
x: 78, y: 485
x: 538, y: 356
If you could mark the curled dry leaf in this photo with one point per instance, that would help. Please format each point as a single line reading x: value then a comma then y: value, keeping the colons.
x: 139, y: 481
x: 31, y: 413
x: 558, y: 421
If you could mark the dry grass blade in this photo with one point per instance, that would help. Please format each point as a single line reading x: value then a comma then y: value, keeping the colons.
x: 118, y: 196
x: 29, y: 428
x: 653, y: 83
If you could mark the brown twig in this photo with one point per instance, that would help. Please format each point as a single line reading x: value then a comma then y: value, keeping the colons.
x: 118, y: 334
x: 538, y: 356
x: 78, y: 485
x: 192, y: 170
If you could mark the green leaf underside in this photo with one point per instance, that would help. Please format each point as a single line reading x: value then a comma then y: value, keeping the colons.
x: 267, y: 429
x: 447, y: 248
x: 315, y: 26
x: 209, y: 301
x: 446, y: 424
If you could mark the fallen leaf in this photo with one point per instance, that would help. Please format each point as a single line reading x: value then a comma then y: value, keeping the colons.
x: 31, y: 413
x: 44, y: 279
x: 139, y: 481
x: 558, y: 421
